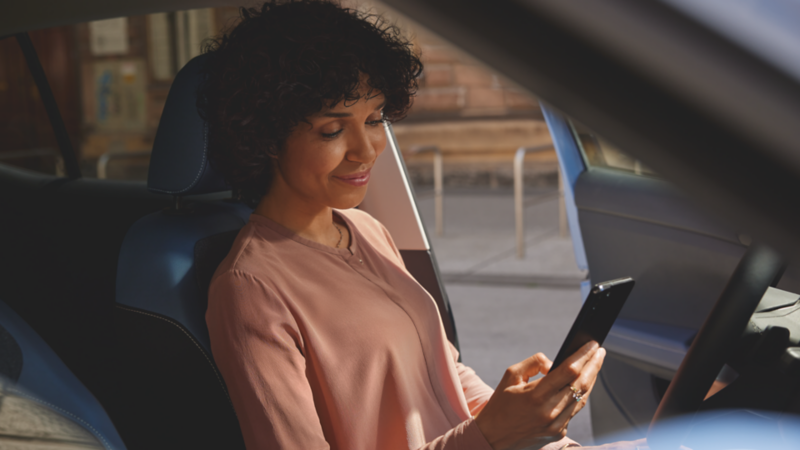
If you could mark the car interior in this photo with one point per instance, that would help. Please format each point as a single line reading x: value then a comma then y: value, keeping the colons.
x: 103, y: 283
x: 145, y: 354
x: 40, y: 390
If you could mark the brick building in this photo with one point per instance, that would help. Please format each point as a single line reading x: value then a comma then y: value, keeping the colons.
x: 475, y: 116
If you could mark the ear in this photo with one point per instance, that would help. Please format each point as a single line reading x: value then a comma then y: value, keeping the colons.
x: 273, y: 150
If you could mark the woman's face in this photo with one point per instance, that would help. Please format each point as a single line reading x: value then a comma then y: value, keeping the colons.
x: 328, y: 162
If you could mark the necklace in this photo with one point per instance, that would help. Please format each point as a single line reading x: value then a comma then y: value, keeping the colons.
x: 340, y: 235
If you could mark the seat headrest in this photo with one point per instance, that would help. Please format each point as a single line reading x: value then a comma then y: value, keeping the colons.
x: 179, y: 162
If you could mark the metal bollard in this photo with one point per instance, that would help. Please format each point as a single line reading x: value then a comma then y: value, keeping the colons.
x: 438, y: 182
x: 102, y: 162
x: 519, y: 206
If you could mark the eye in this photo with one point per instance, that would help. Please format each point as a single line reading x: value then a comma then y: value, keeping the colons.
x: 376, y: 121
x: 332, y: 135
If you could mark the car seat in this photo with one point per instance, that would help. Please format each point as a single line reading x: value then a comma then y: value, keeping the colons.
x: 169, y: 392
x: 41, y: 401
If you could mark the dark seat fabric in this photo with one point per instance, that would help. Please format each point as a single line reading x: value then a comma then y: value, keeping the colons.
x: 179, y: 162
x: 41, y: 385
x: 208, y: 254
x: 170, y: 393
x: 156, y: 271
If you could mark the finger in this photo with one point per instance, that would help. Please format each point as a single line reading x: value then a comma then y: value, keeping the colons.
x: 569, y: 370
x: 584, y: 384
x: 592, y: 370
x: 558, y: 427
x: 565, y: 402
x: 588, y: 377
x: 520, y: 372
x: 566, y: 408
x: 545, y: 369
x: 569, y: 406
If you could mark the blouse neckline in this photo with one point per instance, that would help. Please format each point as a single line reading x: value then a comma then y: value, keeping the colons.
x: 282, y: 230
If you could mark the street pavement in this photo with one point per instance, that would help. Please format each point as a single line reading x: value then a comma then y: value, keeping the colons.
x: 479, y: 243
x: 506, y: 309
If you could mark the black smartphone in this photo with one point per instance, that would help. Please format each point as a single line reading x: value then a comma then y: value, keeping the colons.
x: 597, y: 316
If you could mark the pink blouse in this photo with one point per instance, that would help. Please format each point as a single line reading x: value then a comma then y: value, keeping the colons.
x: 337, y: 348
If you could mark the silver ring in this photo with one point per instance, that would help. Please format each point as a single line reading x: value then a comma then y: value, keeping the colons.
x: 576, y: 393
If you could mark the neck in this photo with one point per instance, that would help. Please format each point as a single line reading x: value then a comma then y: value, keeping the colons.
x: 308, y: 219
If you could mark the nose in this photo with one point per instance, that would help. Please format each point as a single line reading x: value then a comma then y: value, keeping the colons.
x: 365, y: 146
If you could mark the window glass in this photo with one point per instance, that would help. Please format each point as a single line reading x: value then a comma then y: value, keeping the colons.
x: 110, y: 79
x: 601, y: 153
x: 26, y: 137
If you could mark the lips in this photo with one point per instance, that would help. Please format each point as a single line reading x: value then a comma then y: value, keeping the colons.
x: 355, y: 179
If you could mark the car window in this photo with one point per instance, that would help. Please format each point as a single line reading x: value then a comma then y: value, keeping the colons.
x: 599, y: 152
x: 110, y: 79
x: 26, y: 138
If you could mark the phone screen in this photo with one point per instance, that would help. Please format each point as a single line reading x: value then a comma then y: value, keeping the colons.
x: 597, y: 316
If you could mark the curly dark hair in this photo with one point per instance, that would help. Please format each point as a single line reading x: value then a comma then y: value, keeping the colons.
x: 284, y: 62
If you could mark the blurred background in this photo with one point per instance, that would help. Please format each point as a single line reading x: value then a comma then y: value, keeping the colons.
x: 111, y: 78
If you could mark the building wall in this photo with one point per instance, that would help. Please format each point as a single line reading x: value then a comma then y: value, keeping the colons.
x: 476, y: 116
x: 455, y: 87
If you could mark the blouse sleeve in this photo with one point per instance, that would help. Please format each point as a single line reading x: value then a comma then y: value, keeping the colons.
x: 476, y: 391
x: 258, y: 348
x: 464, y: 436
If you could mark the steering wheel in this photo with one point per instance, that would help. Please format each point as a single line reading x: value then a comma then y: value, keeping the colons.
x: 712, y: 346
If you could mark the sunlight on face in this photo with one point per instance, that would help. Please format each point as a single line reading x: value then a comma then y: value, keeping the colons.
x: 328, y: 162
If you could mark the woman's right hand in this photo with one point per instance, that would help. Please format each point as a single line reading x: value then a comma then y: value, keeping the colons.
x: 522, y: 414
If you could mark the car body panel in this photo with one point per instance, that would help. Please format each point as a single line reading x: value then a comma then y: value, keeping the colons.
x: 641, y: 226
x: 390, y: 198
x: 572, y: 165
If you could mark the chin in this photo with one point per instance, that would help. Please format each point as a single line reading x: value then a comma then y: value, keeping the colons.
x: 349, y: 201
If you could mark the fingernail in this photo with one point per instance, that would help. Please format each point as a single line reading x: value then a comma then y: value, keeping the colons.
x: 601, y: 352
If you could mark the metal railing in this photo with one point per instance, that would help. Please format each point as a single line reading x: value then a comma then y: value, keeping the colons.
x: 519, y: 200
x: 438, y: 182
x: 102, y: 162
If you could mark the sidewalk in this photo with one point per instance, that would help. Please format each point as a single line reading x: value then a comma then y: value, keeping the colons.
x: 478, y: 245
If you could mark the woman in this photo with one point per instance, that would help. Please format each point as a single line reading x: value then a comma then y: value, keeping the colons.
x: 322, y: 336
